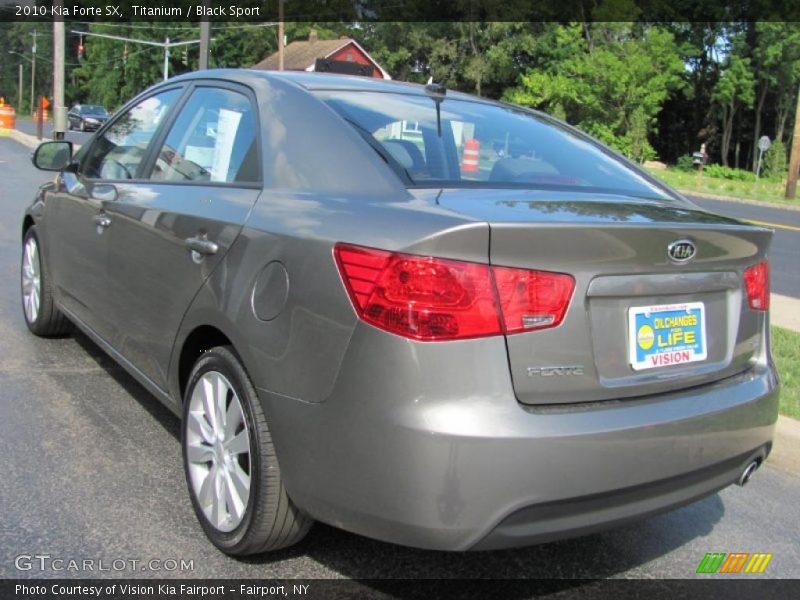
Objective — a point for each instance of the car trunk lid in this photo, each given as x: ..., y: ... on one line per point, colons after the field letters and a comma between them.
x: 616, y: 248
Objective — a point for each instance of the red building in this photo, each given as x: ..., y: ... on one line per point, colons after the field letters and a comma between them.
x: 314, y: 54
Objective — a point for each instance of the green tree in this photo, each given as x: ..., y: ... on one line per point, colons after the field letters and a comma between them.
x: 734, y: 90
x: 776, y: 61
x: 611, y: 80
x: 480, y: 58
x: 106, y: 76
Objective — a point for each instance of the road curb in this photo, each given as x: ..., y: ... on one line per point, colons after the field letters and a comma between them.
x: 31, y: 141
x: 23, y: 138
x: 750, y: 201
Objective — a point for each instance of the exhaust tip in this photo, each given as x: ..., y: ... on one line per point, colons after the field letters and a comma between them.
x: 748, y: 473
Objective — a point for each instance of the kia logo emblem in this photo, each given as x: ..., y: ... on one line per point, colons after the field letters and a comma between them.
x: 681, y: 251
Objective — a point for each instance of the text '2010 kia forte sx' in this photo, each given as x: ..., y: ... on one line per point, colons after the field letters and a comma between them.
x: 416, y: 315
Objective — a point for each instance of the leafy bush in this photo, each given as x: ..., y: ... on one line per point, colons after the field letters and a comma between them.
x: 729, y: 173
x: 775, y: 161
x: 685, y: 163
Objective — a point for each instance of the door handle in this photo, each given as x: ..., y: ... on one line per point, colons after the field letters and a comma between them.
x: 201, y: 245
x: 102, y: 220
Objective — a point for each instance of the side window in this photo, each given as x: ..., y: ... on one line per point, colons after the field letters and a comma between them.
x: 213, y: 139
x: 118, y: 153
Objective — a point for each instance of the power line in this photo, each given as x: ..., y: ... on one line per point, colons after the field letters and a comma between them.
x: 107, y: 62
x: 167, y: 44
x: 82, y: 63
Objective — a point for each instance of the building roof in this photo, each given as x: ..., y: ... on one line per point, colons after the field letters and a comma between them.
x: 300, y: 55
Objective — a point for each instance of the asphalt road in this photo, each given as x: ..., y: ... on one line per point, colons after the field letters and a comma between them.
x: 784, y: 254
x: 91, y: 469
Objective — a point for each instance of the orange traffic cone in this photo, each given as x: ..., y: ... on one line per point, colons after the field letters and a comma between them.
x: 470, y: 161
x: 8, y: 117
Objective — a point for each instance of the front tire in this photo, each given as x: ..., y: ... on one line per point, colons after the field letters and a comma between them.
x: 230, y: 464
x: 38, y: 305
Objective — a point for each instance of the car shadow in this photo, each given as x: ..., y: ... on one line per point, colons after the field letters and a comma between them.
x: 378, y: 565
x: 160, y: 413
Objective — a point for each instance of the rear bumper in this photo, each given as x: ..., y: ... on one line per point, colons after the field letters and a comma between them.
x: 561, y: 519
x: 448, y: 459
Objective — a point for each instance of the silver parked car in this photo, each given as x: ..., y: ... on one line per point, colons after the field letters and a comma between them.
x: 417, y: 315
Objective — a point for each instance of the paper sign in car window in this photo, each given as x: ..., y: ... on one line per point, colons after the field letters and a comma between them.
x: 202, y: 156
x: 227, y: 126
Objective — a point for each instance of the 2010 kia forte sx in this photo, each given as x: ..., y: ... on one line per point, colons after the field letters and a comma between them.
x: 410, y: 313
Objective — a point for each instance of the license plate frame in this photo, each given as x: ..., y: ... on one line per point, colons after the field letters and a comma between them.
x: 664, y: 335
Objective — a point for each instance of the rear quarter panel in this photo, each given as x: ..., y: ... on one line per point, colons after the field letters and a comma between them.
x: 323, y: 184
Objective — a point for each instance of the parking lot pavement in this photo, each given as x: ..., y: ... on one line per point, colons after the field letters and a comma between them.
x: 91, y: 469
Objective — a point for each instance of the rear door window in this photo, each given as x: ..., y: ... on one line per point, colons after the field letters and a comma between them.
x: 213, y: 139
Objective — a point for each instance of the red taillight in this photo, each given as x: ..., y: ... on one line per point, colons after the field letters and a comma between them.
x: 756, y: 280
x: 532, y: 299
x: 430, y: 299
x: 419, y: 297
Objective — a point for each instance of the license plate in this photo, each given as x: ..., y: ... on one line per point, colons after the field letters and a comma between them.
x: 666, y: 335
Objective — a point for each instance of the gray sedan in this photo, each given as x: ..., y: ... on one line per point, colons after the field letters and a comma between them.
x: 414, y: 314
x: 86, y: 117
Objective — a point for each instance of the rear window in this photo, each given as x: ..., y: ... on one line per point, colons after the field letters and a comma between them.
x: 482, y: 145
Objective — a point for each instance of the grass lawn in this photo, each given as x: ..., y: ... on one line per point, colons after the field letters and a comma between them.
x: 786, y: 351
x: 763, y: 189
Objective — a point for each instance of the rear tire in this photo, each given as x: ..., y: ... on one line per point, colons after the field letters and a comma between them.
x: 225, y: 437
x: 38, y: 305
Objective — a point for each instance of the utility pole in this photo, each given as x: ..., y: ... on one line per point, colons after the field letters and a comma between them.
x: 33, y: 70
x: 205, y: 34
x: 166, y: 58
x: 280, y: 35
x: 59, y: 110
x: 794, y: 157
x: 19, y: 100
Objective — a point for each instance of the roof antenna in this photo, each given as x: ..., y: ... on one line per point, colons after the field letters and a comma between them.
x: 437, y: 92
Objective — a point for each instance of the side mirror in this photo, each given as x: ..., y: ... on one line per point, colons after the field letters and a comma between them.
x: 52, y: 156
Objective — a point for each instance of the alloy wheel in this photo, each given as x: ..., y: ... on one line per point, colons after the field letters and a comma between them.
x: 218, y: 451
x: 31, y: 280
